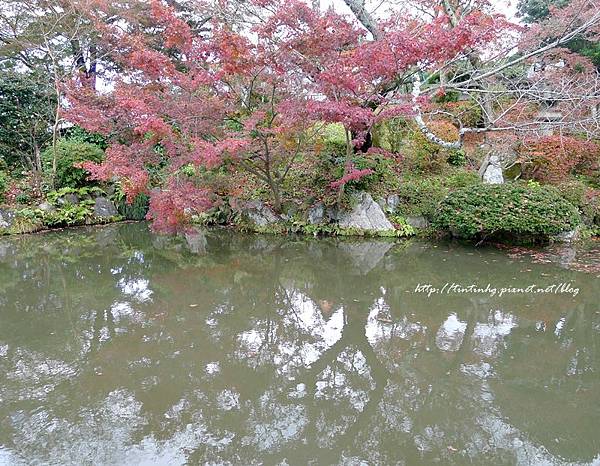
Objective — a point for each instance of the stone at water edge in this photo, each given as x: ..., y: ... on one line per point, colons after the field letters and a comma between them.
x: 7, y: 218
x: 258, y: 213
x: 367, y: 215
x: 316, y: 214
x: 104, y: 208
x: 417, y: 221
x: 568, y: 236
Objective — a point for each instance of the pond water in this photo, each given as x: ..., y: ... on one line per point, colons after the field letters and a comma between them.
x: 118, y: 347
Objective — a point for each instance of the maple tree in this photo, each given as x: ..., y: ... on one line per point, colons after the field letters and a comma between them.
x: 253, y: 93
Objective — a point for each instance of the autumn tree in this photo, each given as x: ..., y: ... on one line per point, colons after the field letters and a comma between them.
x: 251, y: 87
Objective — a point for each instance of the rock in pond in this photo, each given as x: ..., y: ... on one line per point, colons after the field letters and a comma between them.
x: 104, y: 208
x: 366, y: 215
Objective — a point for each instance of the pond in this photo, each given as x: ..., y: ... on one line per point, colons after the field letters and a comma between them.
x: 119, y: 347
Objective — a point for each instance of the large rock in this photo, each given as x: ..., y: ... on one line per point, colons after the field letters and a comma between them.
x: 316, y: 214
x: 418, y: 222
x: 493, y: 171
x: 70, y: 198
x: 46, y: 207
x: 366, y: 215
x: 568, y: 236
x: 390, y: 203
x: 7, y: 218
x: 104, y: 208
x: 258, y: 214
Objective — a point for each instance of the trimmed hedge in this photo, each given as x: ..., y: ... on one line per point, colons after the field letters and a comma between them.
x: 513, y: 209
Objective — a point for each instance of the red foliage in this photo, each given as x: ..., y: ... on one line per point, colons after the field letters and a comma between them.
x: 251, y: 97
x: 174, y: 205
x: 553, y: 158
x: 351, y: 175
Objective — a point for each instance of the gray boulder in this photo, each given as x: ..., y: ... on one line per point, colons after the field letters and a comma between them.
x: 46, y: 207
x: 7, y: 218
x: 316, y: 214
x: 390, y: 203
x: 366, y: 215
x: 417, y: 222
x: 568, y: 236
x: 104, y: 208
x: 68, y: 199
x: 258, y: 214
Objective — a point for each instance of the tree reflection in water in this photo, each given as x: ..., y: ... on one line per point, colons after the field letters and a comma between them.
x: 119, y: 347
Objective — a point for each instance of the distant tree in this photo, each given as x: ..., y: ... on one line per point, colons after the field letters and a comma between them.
x: 27, y: 107
x: 535, y: 11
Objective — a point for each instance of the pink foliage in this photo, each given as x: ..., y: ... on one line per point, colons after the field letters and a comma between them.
x: 195, y: 98
x: 172, y: 206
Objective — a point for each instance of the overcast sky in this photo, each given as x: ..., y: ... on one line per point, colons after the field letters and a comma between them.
x: 506, y: 7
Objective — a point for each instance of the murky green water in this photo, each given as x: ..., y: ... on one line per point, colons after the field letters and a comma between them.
x: 117, y: 347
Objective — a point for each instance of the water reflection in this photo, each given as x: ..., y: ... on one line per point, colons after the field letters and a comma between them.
x: 119, y: 347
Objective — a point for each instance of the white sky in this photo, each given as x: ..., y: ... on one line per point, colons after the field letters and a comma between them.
x: 506, y: 7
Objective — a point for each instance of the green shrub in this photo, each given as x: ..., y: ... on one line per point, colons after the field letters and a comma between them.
x: 69, y: 214
x: 137, y: 210
x: 461, y: 179
x: 585, y: 198
x: 457, y: 158
x: 3, y: 184
x: 83, y: 135
x: 23, y: 198
x: 333, y: 140
x: 70, y: 152
x: 385, y: 176
x: 421, y: 196
x: 517, y: 210
x: 392, y: 134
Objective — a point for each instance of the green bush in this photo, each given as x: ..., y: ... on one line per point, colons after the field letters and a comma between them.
x: 517, y: 210
x: 422, y: 196
x: 585, y: 198
x: 83, y: 135
x: 392, y: 134
x: 3, y: 184
x: 137, y: 210
x: 69, y: 152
